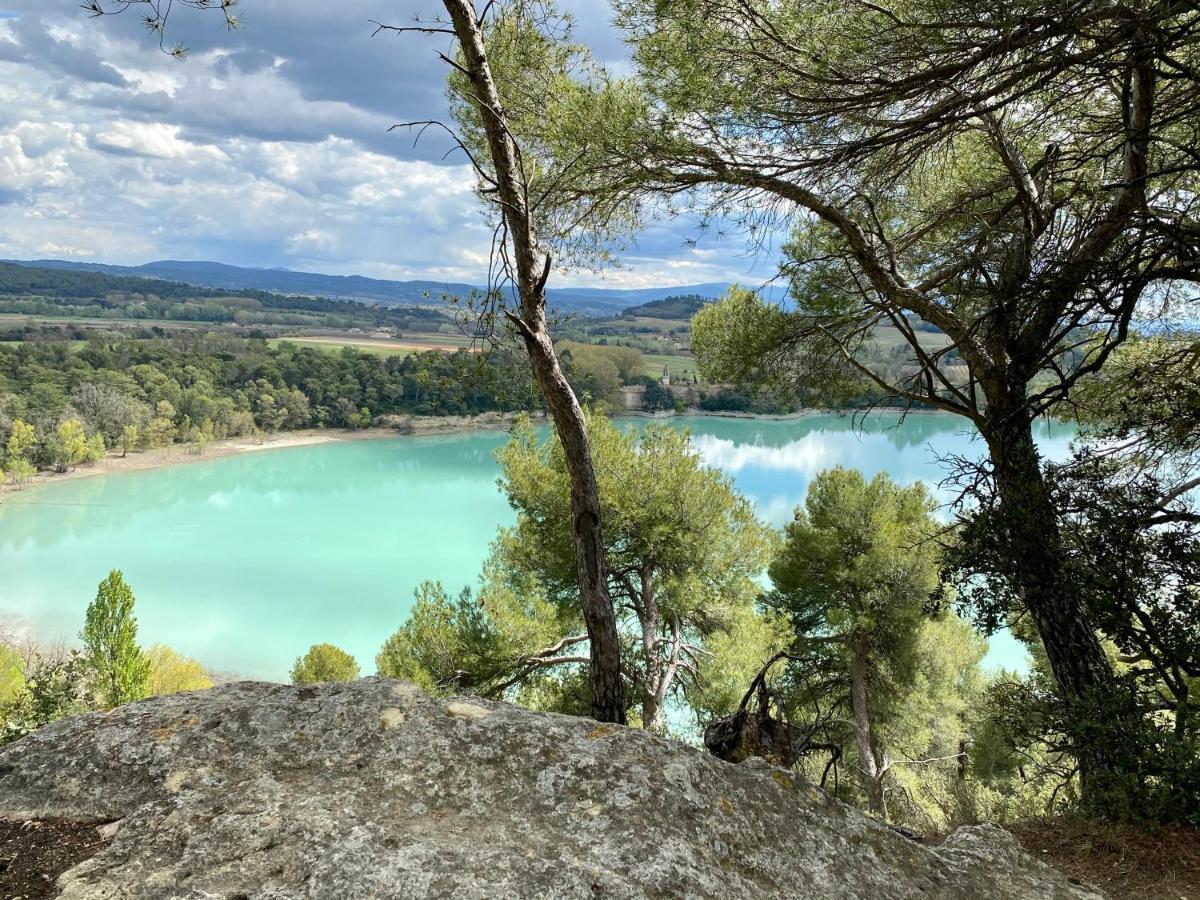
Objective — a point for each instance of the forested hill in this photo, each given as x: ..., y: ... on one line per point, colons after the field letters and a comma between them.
x: 90, y: 294
x: 596, y: 301
x: 683, y: 306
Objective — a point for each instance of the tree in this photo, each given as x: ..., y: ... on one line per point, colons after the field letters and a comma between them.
x: 482, y: 643
x: 111, y: 650
x: 856, y: 570
x: 684, y: 548
x: 94, y: 448
x: 527, y: 267
x: 1126, y: 510
x: 129, y: 439
x: 12, y: 674
x: 70, y: 446
x: 172, y: 672
x: 54, y: 688
x: 106, y: 410
x: 1019, y: 178
x: 685, y: 552
x: 21, y: 442
x: 324, y: 662
x: 20, y: 470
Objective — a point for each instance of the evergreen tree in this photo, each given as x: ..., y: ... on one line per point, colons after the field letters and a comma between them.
x: 854, y: 576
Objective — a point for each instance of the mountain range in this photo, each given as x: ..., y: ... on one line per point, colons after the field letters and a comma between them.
x: 590, y: 301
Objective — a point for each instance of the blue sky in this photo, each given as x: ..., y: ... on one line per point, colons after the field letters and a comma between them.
x: 267, y: 146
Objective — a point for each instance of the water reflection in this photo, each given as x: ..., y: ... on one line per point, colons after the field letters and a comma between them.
x: 246, y: 561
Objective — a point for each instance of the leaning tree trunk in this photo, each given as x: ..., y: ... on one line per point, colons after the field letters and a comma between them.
x: 1036, y: 556
x: 532, y: 269
x: 871, y: 773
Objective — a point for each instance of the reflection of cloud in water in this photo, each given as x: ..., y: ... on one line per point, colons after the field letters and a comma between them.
x: 221, y: 499
x: 806, y: 455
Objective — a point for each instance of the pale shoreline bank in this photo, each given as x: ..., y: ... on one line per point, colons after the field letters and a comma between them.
x: 182, y: 454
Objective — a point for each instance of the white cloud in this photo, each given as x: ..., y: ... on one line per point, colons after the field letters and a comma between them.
x: 152, y: 139
x: 267, y: 146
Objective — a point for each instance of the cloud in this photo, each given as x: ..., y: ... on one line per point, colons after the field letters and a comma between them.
x: 266, y: 146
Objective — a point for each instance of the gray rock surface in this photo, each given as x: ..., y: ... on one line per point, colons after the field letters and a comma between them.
x: 376, y: 790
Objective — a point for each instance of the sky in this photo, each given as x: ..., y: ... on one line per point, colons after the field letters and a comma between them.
x: 267, y: 146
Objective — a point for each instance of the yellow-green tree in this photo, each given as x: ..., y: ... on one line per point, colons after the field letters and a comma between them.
x: 324, y: 662
x: 70, y: 446
x: 172, y: 672
x: 129, y: 438
x: 22, y: 439
x: 12, y: 674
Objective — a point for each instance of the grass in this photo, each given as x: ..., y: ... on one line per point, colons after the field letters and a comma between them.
x: 680, y: 366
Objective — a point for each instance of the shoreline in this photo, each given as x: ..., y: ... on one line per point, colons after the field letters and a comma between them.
x: 182, y: 454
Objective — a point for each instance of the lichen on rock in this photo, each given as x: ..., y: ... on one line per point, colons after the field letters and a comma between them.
x: 375, y: 789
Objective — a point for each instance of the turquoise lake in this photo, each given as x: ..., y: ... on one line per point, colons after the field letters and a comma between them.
x: 246, y: 561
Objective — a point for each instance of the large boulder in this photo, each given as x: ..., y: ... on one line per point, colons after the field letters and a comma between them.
x: 376, y: 790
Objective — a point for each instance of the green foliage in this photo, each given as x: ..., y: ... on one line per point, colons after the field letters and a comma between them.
x: 474, y: 643
x: 870, y: 671
x: 683, y: 306
x: 738, y: 337
x: 172, y: 672
x: 152, y: 392
x: 69, y: 446
x: 130, y: 436
x: 53, y: 689
x: 683, y: 548
x: 858, y: 562
x: 324, y: 662
x: 21, y: 441
x: 12, y: 674
x: 734, y: 656
x: 109, y: 636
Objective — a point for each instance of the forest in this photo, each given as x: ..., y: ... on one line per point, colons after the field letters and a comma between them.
x: 31, y: 291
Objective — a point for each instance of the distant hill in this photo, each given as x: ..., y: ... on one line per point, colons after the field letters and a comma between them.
x: 593, y: 301
x: 76, y: 292
x: 682, y: 306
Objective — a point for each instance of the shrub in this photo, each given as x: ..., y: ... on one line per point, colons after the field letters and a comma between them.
x: 324, y: 662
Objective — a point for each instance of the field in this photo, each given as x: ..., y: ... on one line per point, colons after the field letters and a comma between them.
x: 680, y: 366
x: 384, y: 346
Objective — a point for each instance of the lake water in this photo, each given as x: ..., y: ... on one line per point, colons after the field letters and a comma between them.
x: 244, y: 562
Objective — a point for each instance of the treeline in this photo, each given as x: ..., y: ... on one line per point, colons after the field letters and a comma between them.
x: 58, y: 292
x: 683, y: 306
x: 136, y: 394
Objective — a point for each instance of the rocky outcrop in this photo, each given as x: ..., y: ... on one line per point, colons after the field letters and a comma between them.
x: 376, y: 790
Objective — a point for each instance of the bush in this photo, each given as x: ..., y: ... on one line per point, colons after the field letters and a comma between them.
x: 53, y: 690
x: 172, y: 672
x: 324, y: 662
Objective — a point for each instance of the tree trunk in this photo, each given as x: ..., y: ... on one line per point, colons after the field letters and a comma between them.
x: 871, y: 772
x: 654, y: 690
x: 1036, y: 557
x: 531, y: 271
